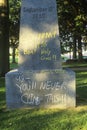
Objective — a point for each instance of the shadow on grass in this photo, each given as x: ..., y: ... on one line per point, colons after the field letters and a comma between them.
x: 37, y: 119
x: 81, y: 88
x: 81, y: 98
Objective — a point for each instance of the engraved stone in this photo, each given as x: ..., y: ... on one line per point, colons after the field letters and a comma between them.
x: 39, y: 46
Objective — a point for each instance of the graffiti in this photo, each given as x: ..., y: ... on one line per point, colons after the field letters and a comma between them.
x: 29, y: 94
x: 55, y: 98
x: 30, y: 99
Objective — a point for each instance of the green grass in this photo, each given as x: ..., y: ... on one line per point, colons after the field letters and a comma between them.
x: 47, y: 119
x: 75, y: 64
x: 13, y: 65
x: 81, y: 84
x: 44, y: 119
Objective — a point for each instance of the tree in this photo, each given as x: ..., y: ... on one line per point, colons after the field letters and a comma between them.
x: 4, y: 37
x: 73, y: 20
x: 14, y: 44
x: 14, y: 15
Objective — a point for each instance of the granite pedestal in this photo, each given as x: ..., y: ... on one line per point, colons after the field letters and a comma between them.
x: 44, y: 89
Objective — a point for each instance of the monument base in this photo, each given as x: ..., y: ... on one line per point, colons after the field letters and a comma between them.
x: 43, y: 89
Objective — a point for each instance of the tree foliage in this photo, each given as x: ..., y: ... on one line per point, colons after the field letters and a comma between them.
x: 72, y: 17
x: 73, y: 21
x: 14, y: 16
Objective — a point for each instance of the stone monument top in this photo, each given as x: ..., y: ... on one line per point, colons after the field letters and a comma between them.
x: 39, y: 46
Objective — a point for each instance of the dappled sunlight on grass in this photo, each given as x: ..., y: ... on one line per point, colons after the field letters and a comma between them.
x: 43, y: 119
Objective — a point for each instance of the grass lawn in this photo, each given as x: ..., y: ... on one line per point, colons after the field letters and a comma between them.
x: 47, y: 119
x: 75, y: 64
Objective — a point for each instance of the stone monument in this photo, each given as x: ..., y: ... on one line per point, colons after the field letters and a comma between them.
x: 40, y: 80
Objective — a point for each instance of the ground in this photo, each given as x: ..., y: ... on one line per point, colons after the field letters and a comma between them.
x: 48, y: 119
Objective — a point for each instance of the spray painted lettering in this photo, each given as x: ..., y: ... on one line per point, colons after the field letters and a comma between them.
x: 28, y: 88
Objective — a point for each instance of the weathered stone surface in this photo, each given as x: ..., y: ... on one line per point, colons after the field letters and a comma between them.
x: 40, y: 80
x: 39, y: 46
x: 47, y: 89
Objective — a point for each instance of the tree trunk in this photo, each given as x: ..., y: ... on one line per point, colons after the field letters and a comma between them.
x: 80, y: 57
x: 74, y: 48
x: 13, y: 55
x: 4, y: 38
